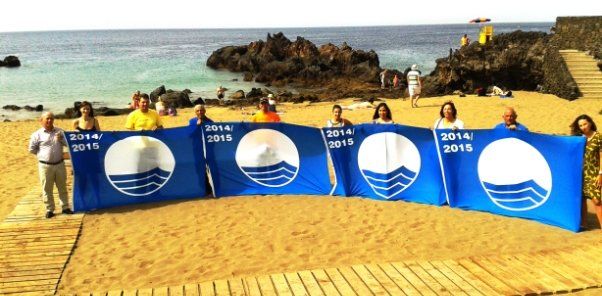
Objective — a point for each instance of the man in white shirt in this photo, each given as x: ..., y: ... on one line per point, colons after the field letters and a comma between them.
x: 47, y: 144
x: 414, y: 85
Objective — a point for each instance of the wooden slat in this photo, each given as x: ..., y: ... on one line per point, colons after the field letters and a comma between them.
x: 251, y: 286
x: 399, y: 280
x: 130, y: 293
x: 176, y: 291
x: 413, y: 278
x: 36, y: 277
x: 441, y: 278
x: 454, y: 278
x: 580, y: 280
x: 221, y: 288
x: 578, y: 263
x: 191, y: 290
x: 115, y: 293
x: 310, y: 283
x: 478, y: 284
x: 145, y: 292
x: 354, y: 281
x: 45, y: 288
x: 369, y: 280
x: 207, y: 288
x: 325, y: 283
x: 4, y: 275
x: 163, y: 291
x: 339, y: 281
x: 427, y: 279
x: 265, y: 285
x: 236, y: 287
x: 501, y: 274
x: 384, y: 280
x: 280, y: 284
x: 296, y: 284
x: 528, y: 277
x: 546, y: 277
x: 493, y: 278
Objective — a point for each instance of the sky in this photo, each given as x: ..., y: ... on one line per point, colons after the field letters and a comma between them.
x: 49, y: 15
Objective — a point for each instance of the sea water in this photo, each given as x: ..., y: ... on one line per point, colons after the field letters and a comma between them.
x: 106, y: 67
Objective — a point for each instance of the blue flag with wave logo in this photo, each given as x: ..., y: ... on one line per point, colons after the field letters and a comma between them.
x: 266, y: 158
x: 121, y: 168
x: 386, y: 162
x: 514, y: 173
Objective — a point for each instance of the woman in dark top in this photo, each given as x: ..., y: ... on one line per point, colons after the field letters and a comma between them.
x: 86, y: 121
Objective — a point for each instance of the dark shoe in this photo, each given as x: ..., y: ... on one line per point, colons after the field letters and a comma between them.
x: 67, y: 211
x: 49, y: 215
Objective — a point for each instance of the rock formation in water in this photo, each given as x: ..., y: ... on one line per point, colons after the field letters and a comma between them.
x: 10, y: 62
x: 279, y: 61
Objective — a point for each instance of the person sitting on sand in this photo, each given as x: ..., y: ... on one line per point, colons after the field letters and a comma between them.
x: 337, y: 119
x: 200, y: 117
x: 585, y: 126
x: 221, y: 92
x: 160, y: 107
x: 264, y: 114
x: 382, y: 115
x: 448, y: 117
x: 86, y: 121
x: 135, y: 104
x: 362, y: 105
x: 47, y: 144
x: 510, y: 122
x: 144, y: 118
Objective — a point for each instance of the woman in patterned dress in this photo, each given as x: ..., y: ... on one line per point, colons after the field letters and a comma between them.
x: 592, y: 169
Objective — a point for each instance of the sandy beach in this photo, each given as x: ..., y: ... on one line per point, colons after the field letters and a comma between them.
x: 173, y: 243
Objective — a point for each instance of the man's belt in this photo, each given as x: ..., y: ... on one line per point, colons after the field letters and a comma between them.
x: 50, y: 163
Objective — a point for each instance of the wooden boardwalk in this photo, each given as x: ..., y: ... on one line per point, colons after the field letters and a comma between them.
x: 35, y: 250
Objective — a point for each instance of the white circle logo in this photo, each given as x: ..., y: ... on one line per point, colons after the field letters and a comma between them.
x: 139, y: 165
x: 514, y: 175
x: 268, y: 157
x: 389, y: 162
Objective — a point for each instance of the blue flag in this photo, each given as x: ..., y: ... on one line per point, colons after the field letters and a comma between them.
x: 386, y: 162
x: 120, y: 168
x: 514, y: 173
x: 266, y: 158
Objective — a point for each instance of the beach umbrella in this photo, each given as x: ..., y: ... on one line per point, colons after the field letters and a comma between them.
x: 479, y: 20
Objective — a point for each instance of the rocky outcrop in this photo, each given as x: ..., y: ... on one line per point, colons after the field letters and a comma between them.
x: 513, y: 60
x: 279, y: 61
x: 10, y: 62
x: 102, y: 111
x: 37, y: 108
x: 178, y: 99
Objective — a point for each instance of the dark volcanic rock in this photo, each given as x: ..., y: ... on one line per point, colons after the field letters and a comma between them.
x: 237, y: 95
x: 279, y: 61
x: 513, y: 60
x: 37, y: 108
x: 178, y: 99
x: 102, y: 111
x: 155, y: 94
x: 11, y: 107
x: 10, y: 62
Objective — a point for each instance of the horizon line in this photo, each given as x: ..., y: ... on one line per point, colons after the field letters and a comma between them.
x: 265, y: 28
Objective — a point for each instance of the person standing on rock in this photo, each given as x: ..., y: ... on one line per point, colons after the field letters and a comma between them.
x: 221, y: 92
x: 47, y: 144
x: 383, y: 79
x: 414, y: 85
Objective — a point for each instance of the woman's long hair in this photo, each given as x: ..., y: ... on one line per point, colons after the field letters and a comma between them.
x: 576, y: 131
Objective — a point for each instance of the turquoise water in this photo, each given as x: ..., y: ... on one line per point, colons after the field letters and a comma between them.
x: 106, y: 67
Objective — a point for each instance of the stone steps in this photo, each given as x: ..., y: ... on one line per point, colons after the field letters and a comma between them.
x: 585, y: 72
